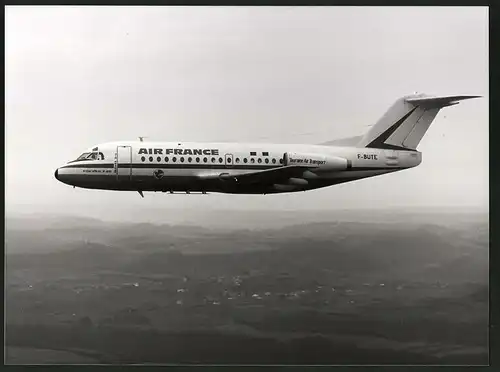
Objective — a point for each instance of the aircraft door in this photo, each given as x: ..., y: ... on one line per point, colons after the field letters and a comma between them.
x: 123, y: 163
x: 229, y: 160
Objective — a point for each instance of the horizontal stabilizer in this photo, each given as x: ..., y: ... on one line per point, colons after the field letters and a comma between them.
x: 435, y: 102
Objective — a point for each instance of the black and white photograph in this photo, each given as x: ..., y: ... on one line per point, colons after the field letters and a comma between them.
x: 246, y: 185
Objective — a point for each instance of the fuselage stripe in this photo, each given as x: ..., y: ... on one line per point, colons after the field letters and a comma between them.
x: 203, y: 166
x: 172, y: 166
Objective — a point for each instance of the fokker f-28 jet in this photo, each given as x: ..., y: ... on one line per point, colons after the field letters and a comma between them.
x: 242, y: 168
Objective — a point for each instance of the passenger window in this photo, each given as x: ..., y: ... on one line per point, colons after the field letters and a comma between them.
x: 281, y: 161
x: 220, y: 160
x: 267, y: 161
x: 252, y: 160
x: 150, y: 158
x: 205, y: 160
x: 274, y: 161
x: 237, y: 160
x: 143, y: 158
x: 197, y: 160
x: 213, y: 160
x: 190, y: 159
x: 182, y: 159
x: 174, y: 159
x: 158, y: 158
x: 166, y: 159
x: 245, y: 160
x: 259, y: 160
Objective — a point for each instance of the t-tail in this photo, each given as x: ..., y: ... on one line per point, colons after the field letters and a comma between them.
x: 404, y: 125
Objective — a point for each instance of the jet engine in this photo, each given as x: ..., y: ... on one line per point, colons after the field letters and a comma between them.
x: 318, y: 162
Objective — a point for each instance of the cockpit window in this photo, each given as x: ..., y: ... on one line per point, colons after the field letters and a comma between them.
x: 83, y: 156
x: 90, y: 156
x: 96, y: 156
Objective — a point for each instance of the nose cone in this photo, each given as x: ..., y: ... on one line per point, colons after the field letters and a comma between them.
x: 62, y: 175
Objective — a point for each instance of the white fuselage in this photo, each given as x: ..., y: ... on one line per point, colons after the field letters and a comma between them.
x: 216, y: 167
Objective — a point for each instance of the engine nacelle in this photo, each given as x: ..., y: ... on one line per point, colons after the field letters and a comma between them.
x: 317, y: 162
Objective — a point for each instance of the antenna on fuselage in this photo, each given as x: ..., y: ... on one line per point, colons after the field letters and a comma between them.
x: 142, y: 138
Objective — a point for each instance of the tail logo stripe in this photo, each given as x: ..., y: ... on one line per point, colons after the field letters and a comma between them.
x: 379, y: 141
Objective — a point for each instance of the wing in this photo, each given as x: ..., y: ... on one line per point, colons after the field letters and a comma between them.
x: 274, y: 175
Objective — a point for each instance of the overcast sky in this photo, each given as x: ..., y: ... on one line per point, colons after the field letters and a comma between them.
x: 78, y: 76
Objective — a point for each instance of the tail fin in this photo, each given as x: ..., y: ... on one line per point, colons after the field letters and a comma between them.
x: 403, y: 126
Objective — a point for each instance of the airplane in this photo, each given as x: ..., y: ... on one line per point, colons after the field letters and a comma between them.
x: 244, y: 168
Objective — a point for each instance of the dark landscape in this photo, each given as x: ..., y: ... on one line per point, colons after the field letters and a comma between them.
x: 358, y: 288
